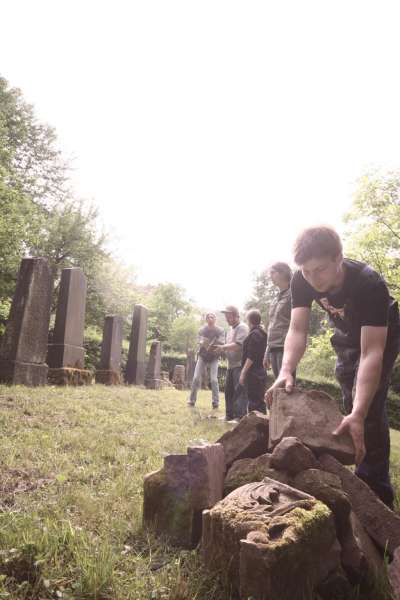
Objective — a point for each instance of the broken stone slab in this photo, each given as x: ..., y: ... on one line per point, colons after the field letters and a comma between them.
x: 250, y: 470
x: 327, y: 487
x: 270, y: 540
x: 248, y: 439
x: 311, y: 416
x: 360, y: 557
x: 394, y: 574
x: 175, y: 496
x: 381, y: 523
x: 166, y: 501
x: 293, y: 456
x: 206, y: 465
x: 336, y: 587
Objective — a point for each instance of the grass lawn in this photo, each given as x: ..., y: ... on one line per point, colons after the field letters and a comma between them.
x: 72, y: 466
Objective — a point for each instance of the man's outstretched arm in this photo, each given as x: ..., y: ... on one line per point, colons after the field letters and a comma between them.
x: 373, y: 341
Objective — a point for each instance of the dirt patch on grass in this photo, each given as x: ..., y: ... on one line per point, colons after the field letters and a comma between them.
x: 18, y: 481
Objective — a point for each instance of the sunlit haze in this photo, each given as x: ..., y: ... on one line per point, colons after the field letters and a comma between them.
x: 209, y: 133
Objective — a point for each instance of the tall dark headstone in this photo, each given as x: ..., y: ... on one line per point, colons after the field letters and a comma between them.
x: 23, y: 350
x: 153, y: 371
x: 66, y: 355
x: 136, y: 366
x: 109, y: 371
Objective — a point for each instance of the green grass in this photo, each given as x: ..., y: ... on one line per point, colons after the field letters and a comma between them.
x: 72, y: 467
x: 71, y: 474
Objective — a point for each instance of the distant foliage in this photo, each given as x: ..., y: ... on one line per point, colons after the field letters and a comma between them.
x: 319, y: 358
x: 373, y: 225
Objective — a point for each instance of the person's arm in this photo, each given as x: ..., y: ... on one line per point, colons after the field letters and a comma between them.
x: 373, y: 341
x: 245, y: 368
x: 267, y: 359
x: 295, y: 345
x: 229, y: 347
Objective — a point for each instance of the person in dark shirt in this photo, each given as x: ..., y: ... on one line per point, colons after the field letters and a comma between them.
x: 253, y: 374
x: 366, y: 340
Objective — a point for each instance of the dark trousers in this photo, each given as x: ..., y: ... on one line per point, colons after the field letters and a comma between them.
x: 374, y: 469
x: 275, y: 357
x: 235, y: 395
x: 256, y: 383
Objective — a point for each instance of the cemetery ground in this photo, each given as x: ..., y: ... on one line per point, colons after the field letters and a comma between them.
x: 71, y: 481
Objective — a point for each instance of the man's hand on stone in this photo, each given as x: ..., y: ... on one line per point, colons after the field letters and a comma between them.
x: 354, y: 424
x: 284, y: 380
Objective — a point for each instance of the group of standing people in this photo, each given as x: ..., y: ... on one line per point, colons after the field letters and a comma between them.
x: 248, y: 348
x: 366, y: 340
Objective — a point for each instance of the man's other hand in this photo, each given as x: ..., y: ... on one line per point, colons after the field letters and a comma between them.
x: 285, y: 381
x: 354, y: 424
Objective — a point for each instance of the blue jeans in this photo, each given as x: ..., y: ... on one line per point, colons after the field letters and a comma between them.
x: 235, y: 395
x: 200, y: 368
x: 374, y: 469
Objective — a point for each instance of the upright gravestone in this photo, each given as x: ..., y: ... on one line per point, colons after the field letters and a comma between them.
x: 109, y: 371
x: 66, y: 355
x: 153, y: 371
x: 23, y: 350
x: 136, y: 366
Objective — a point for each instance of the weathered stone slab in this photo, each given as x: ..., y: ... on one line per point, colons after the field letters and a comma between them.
x: 178, y: 377
x: 153, y: 371
x: 292, y: 456
x: 175, y: 496
x: 24, y: 346
x: 360, y: 557
x: 19, y: 373
x: 327, y: 487
x: 66, y: 348
x: 311, y: 416
x: 136, y: 364
x: 270, y: 540
x: 68, y: 376
x: 109, y: 371
x: 250, y: 470
x: 394, y: 574
x: 381, y: 523
x: 166, y: 501
x: 206, y: 466
x: 108, y: 377
x: 248, y: 439
x: 336, y: 587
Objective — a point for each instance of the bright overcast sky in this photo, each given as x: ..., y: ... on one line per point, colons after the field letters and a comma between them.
x: 210, y: 132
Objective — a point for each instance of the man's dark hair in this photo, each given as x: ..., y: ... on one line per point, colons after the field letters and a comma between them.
x: 283, y: 269
x: 316, y: 242
x: 254, y: 316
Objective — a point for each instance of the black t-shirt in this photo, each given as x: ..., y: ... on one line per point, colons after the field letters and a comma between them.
x: 363, y: 300
x: 254, y: 347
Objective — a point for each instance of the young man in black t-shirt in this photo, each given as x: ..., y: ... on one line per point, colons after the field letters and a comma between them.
x: 366, y: 341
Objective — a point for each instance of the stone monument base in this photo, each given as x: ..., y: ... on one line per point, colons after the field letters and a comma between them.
x: 154, y: 384
x: 108, y: 377
x: 69, y: 376
x: 21, y: 373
